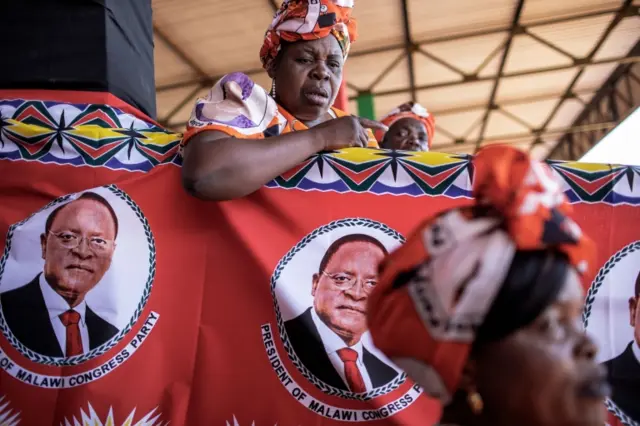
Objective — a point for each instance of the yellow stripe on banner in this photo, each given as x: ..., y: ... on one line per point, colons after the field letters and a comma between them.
x: 589, y: 167
x: 28, y: 130
x: 161, y: 139
x: 91, y: 131
x: 433, y: 158
x: 94, y: 132
x: 359, y: 155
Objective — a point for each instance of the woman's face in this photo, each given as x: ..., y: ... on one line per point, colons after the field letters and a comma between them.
x: 308, y: 76
x: 544, y: 374
x: 407, y: 134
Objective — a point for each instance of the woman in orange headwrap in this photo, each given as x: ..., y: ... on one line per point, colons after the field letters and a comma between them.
x: 239, y: 136
x: 411, y: 128
x: 482, y: 305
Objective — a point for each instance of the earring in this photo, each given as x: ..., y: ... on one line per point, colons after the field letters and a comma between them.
x: 475, y: 402
x: 273, y: 88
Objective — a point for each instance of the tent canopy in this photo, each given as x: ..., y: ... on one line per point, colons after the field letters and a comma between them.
x: 504, y: 70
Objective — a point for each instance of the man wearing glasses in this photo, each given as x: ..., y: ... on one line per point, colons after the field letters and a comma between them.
x: 50, y: 315
x: 327, y: 336
x: 624, y: 370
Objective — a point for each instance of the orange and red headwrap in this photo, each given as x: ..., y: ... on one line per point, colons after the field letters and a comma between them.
x: 409, y: 110
x: 309, y: 20
x: 447, y: 286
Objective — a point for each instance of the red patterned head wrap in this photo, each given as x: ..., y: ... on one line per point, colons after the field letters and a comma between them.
x: 450, y: 283
x: 409, y: 110
x: 309, y: 20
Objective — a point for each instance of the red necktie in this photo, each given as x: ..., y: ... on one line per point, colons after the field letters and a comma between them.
x: 70, y: 319
x: 351, y: 372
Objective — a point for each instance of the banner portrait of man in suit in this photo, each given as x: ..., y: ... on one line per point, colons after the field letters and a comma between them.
x: 50, y: 314
x: 624, y: 369
x: 327, y: 336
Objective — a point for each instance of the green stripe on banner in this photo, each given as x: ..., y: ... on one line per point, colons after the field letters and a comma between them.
x: 365, y: 105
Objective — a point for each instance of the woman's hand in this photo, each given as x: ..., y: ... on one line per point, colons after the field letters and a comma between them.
x: 345, y: 132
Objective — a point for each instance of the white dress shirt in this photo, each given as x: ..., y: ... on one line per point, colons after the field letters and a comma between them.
x: 56, y: 306
x: 636, y: 350
x: 333, y: 343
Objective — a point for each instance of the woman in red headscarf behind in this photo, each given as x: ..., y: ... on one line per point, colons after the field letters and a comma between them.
x: 482, y: 305
x: 411, y: 128
x: 240, y: 136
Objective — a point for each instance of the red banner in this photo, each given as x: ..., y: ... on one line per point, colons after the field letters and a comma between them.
x: 123, y: 299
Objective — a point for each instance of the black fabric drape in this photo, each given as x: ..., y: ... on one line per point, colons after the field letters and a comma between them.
x: 89, y: 45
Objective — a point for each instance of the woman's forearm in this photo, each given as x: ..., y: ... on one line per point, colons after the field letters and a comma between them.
x: 217, y: 167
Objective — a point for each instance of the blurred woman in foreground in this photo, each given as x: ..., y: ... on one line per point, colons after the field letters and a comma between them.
x: 482, y: 305
x: 411, y: 128
x: 240, y: 136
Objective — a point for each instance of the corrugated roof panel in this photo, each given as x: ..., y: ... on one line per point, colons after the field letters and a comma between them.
x: 535, y: 10
x: 500, y: 125
x: 384, y: 104
x: 222, y: 36
x: 439, y: 18
x: 428, y: 71
x: 586, y: 97
x: 474, y: 132
x: 593, y: 76
x: 534, y: 85
x: 183, y: 114
x: 167, y: 100
x: 263, y: 80
x: 456, y: 96
x: 168, y: 67
x: 398, y: 78
x: 379, y: 24
x: 351, y: 92
x: 467, y: 54
x: 362, y: 71
x: 528, y: 54
x: 576, y: 37
x: 621, y: 40
x: 534, y: 113
x: 540, y: 151
x: 492, y: 67
x: 440, y: 138
x: 566, y: 114
x: 459, y: 124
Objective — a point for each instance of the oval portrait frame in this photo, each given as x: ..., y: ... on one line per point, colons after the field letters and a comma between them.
x: 105, y: 347
x: 325, y: 388
x: 586, y: 313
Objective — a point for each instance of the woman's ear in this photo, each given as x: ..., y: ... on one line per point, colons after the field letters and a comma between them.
x: 271, y: 72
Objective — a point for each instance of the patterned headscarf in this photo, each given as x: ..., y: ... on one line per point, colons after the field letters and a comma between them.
x: 309, y: 20
x: 410, y: 110
x: 459, y: 278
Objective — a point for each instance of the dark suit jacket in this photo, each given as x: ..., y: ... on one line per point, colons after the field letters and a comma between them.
x: 27, y: 317
x: 306, y: 342
x: 624, y: 377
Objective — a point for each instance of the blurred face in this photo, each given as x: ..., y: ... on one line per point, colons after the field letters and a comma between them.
x: 78, y: 249
x: 407, y: 134
x: 544, y: 374
x: 308, y: 76
x: 340, y: 292
x: 634, y: 317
